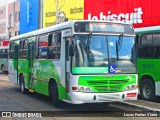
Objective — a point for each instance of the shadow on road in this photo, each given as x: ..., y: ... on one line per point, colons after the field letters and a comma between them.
x: 156, y: 100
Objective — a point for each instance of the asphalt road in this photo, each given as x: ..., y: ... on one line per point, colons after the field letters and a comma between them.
x: 12, y: 100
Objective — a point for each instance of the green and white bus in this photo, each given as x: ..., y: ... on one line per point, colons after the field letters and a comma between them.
x: 76, y: 62
x: 148, y: 62
x: 4, y: 59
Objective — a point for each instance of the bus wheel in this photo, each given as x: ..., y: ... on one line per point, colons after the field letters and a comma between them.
x: 54, y: 94
x: 22, y: 85
x: 3, y: 69
x: 147, y: 89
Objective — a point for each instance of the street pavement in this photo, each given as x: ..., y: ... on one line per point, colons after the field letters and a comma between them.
x: 12, y: 100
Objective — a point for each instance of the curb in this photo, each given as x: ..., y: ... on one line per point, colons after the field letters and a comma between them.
x: 140, y: 107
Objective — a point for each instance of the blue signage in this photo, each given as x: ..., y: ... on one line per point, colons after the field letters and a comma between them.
x: 29, y: 15
x: 112, y: 68
x: 28, y: 10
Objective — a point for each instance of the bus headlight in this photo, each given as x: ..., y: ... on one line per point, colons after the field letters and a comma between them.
x: 130, y: 87
x: 81, y: 89
x: 85, y: 89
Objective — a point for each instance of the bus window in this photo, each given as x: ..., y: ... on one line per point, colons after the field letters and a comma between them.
x: 23, y: 49
x: 54, y: 47
x: 42, y: 47
x: 4, y: 53
x: 156, y: 40
x: 146, y: 48
x: 146, y: 52
x: 11, y: 50
x: 146, y: 40
x: 156, y: 45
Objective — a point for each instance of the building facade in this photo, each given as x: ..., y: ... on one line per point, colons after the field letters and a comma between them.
x: 3, y: 21
x: 13, y: 18
x: 9, y: 20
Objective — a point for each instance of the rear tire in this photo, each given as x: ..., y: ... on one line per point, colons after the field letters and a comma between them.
x: 54, y: 94
x: 147, y: 89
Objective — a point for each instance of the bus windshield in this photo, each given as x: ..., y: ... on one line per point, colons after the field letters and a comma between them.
x: 95, y: 53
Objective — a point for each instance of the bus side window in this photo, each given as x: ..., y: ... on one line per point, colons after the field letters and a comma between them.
x: 156, y: 52
x: 42, y: 46
x: 33, y: 39
x: 20, y: 49
x: 156, y: 44
x: 23, y: 49
x: 11, y: 50
x: 148, y: 52
x: 146, y: 48
x: 4, y: 53
x: 54, y: 47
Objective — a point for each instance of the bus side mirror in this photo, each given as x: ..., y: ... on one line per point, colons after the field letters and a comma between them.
x: 71, y: 50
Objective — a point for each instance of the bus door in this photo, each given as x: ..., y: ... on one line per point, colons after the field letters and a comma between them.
x: 31, y: 58
x: 67, y: 65
x: 66, y: 35
x: 15, y: 63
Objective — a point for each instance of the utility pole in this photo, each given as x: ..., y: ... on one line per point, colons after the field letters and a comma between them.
x: 57, y: 11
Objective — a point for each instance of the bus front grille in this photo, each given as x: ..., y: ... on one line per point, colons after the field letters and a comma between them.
x: 108, y: 86
x: 98, y: 82
x: 108, y: 89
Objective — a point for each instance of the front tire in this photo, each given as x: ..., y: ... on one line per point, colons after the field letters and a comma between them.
x: 147, y: 89
x: 54, y: 94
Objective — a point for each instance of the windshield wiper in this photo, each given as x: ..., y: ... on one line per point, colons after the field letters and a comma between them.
x: 89, y: 41
x: 119, y: 44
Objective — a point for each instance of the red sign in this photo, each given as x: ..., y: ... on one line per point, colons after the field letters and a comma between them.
x: 140, y: 13
x: 5, y: 43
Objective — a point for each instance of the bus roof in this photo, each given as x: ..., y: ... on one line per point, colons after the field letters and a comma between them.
x: 68, y: 24
x: 148, y: 30
x: 4, y: 47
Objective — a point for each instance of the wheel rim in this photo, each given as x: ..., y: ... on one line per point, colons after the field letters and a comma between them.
x: 147, y: 91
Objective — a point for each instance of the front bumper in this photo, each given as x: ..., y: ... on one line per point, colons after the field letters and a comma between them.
x: 80, y: 97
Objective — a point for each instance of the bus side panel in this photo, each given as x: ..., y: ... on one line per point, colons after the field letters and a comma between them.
x: 11, y: 71
x: 43, y: 71
x: 23, y: 68
x: 149, y: 67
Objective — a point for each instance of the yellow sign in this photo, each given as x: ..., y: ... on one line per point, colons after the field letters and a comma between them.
x: 69, y: 9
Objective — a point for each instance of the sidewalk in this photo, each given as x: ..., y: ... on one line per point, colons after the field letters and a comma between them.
x: 155, y: 105
x: 4, y: 77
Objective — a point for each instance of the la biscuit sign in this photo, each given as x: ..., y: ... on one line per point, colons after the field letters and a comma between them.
x: 140, y: 13
x: 136, y: 12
